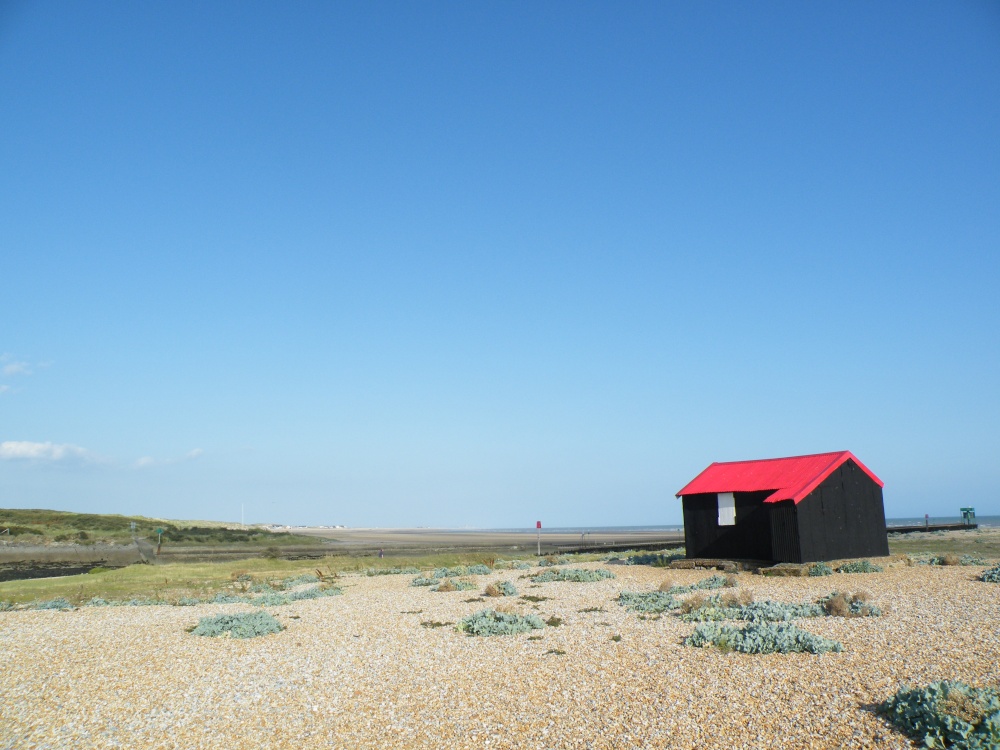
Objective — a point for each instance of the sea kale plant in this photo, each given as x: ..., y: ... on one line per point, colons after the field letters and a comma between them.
x: 459, y: 570
x: 655, y: 559
x: 947, y: 715
x: 648, y: 602
x: 820, y: 569
x: 577, y: 575
x: 489, y: 622
x: 242, y: 625
x: 730, y: 607
x: 449, y: 584
x: 500, y: 588
x: 859, y: 566
x: 760, y: 638
x: 992, y: 575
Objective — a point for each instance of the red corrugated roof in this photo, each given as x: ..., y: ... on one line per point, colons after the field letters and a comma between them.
x: 791, y: 478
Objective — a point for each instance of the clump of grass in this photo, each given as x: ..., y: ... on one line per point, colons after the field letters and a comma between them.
x: 593, y: 609
x: 449, y: 584
x: 840, y: 604
x: 760, y: 638
x: 576, y: 575
x: 701, y: 603
x: 556, y: 652
x: 489, y: 622
x: 820, y: 569
x: 500, y: 588
x: 534, y: 598
x: 616, y: 638
x: 434, y: 624
x: 554, y: 622
x: 242, y: 625
x: 947, y: 714
x: 859, y: 566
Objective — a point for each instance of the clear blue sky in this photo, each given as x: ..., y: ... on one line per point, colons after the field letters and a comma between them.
x: 481, y: 264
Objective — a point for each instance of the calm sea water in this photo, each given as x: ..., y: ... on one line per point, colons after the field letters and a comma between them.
x: 983, y: 521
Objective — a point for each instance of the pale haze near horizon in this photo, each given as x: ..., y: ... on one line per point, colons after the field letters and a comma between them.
x: 479, y: 265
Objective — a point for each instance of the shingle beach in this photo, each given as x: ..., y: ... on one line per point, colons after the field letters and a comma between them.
x: 359, y: 670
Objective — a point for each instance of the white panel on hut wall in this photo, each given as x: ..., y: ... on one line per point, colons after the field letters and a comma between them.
x: 727, y: 509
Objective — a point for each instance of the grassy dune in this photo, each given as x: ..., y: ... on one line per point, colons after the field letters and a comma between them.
x: 44, y: 526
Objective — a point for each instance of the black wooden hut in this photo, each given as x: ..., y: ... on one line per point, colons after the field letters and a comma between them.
x: 826, y: 506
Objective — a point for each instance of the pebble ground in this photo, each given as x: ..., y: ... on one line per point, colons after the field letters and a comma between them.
x: 360, y: 671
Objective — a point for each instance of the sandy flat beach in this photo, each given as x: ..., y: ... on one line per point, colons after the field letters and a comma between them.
x: 526, y: 539
x: 359, y: 670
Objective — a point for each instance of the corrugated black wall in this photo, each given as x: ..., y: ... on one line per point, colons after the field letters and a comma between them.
x: 843, y: 517
x: 749, y: 538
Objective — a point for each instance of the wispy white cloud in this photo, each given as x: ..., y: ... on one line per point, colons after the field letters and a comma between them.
x: 147, y: 462
x: 17, y: 368
x: 11, y: 365
x: 25, y: 450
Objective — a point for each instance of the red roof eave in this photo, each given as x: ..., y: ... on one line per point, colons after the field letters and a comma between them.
x: 791, y: 478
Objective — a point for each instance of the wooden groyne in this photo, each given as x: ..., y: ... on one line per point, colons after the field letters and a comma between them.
x: 932, y: 527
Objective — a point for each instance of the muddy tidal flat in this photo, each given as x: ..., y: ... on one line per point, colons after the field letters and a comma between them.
x: 361, y: 670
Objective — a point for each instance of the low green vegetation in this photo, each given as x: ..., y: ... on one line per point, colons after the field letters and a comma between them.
x: 735, y: 607
x: 576, y: 575
x: 992, y: 575
x: 44, y: 526
x: 654, y: 559
x: 489, y: 622
x: 982, y: 543
x: 760, y: 638
x: 820, y: 569
x: 179, y: 584
x: 408, y: 570
x: 242, y: 625
x: 947, y: 715
x: 450, y: 584
x: 859, y: 566
x: 648, y: 602
x: 500, y: 588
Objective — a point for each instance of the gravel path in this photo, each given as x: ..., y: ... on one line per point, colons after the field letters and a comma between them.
x: 359, y: 671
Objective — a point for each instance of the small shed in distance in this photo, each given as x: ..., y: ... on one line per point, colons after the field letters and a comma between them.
x: 825, y: 506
